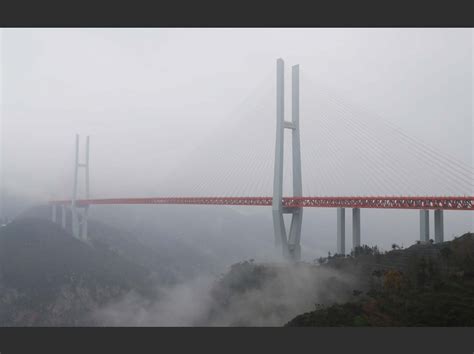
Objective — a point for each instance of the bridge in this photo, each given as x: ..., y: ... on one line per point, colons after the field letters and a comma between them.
x: 288, y: 243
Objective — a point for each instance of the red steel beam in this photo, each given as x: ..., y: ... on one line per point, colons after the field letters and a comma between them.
x: 378, y: 202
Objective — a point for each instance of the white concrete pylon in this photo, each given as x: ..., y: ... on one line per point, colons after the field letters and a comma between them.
x: 277, y: 207
x: 80, y: 224
x: 290, y: 246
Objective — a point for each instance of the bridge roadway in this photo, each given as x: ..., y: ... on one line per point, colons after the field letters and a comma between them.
x: 375, y: 202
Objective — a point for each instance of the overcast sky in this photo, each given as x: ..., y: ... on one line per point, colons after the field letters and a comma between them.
x: 152, y: 100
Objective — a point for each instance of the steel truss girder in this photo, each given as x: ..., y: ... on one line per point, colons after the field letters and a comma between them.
x: 376, y: 202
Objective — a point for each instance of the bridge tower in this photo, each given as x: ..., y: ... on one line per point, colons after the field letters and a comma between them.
x: 79, y: 215
x: 290, y: 245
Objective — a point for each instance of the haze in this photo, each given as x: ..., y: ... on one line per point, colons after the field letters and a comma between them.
x: 177, y: 112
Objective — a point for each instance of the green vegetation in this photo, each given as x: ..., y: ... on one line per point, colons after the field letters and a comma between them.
x: 424, y: 285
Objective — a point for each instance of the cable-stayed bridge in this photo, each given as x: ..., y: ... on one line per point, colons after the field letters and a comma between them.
x: 425, y: 178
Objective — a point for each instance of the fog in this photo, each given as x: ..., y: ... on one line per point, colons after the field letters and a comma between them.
x: 291, y: 291
x: 191, y: 112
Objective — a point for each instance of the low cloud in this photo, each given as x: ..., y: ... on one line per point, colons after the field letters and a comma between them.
x: 255, y: 296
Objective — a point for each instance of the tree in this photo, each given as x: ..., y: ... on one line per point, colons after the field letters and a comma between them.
x: 392, y: 280
x: 446, y: 252
x: 421, y: 274
x: 320, y: 260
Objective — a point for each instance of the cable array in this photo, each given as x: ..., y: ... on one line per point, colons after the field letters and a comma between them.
x: 346, y: 151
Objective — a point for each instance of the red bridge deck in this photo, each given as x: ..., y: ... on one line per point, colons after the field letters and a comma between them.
x: 446, y: 203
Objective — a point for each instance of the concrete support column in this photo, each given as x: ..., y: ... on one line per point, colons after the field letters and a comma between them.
x: 54, y: 215
x: 355, y: 228
x: 63, y: 217
x: 439, y: 226
x: 84, y: 224
x: 424, y: 225
x: 341, y: 231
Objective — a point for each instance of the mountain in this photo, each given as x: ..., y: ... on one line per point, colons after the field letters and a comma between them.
x: 49, y: 278
x: 144, y: 239
x: 150, y: 261
x: 270, y: 294
x: 423, y: 285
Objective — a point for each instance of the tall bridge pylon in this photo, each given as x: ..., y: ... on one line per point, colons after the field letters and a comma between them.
x: 79, y: 216
x: 79, y: 212
x: 290, y: 245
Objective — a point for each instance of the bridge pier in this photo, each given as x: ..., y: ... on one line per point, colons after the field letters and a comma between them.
x: 424, y: 225
x: 84, y: 224
x: 341, y: 231
x: 54, y: 214
x: 355, y: 228
x: 74, y: 223
x: 63, y: 216
x: 439, y: 226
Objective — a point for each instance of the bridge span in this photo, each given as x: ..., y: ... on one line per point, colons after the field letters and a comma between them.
x: 378, y: 202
